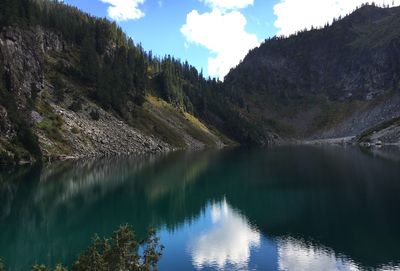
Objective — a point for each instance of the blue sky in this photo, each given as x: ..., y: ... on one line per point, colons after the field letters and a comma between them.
x: 214, y: 35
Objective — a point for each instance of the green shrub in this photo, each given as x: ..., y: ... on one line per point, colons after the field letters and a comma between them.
x: 5, y: 159
x: 74, y: 130
x: 120, y: 252
x: 52, y: 128
x: 139, y: 99
x: 76, y: 105
x: 59, y: 88
x: 29, y: 141
x: 94, y: 114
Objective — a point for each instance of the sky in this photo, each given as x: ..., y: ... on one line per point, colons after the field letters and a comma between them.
x: 215, y: 35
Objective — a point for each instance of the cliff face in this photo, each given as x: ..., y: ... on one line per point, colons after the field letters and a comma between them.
x: 92, y: 92
x: 63, y: 121
x: 357, y: 57
x: 21, y: 71
x: 331, y: 82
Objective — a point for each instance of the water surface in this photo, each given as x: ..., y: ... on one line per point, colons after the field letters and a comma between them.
x: 287, y: 208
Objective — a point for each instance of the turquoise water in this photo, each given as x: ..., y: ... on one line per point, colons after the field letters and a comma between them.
x: 287, y: 208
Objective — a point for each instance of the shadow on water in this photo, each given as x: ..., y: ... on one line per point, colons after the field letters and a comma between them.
x: 304, y: 201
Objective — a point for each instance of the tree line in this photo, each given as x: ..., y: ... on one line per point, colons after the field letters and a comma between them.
x: 120, y: 71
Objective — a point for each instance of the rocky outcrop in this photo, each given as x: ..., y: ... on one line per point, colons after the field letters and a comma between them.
x: 364, y: 118
x: 106, y: 136
x: 22, y: 56
x: 23, y: 53
x: 344, y: 61
x: 333, y: 82
x: 28, y: 58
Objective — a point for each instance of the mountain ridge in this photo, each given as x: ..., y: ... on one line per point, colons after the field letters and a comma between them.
x: 324, y: 77
x: 73, y: 85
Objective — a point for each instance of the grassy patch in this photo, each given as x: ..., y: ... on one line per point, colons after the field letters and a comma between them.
x: 146, y: 122
x: 205, y: 136
x: 189, y: 123
x: 52, y: 126
x: 195, y: 122
x: 196, y: 129
x: 334, y: 113
x: 52, y: 123
x: 278, y: 127
x: 159, y: 118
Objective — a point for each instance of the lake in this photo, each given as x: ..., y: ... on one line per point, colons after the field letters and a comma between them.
x: 283, y: 208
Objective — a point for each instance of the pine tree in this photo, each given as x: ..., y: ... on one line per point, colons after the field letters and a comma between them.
x: 104, y: 87
x: 89, y: 59
x: 9, y: 11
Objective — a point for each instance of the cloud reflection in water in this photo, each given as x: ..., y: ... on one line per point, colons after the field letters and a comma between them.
x: 227, y: 242
x: 295, y: 255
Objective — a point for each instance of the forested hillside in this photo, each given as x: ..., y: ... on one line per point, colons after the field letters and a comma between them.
x: 337, y: 81
x: 73, y: 85
x: 76, y: 62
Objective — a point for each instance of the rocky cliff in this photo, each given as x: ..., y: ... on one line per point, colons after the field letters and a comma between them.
x: 52, y: 118
x: 333, y: 82
x: 73, y: 85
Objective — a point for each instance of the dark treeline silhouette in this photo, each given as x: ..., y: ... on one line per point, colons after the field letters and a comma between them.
x: 327, y: 24
x: 119, y: 72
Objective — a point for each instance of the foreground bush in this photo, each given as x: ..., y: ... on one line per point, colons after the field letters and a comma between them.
x: 120, y: 252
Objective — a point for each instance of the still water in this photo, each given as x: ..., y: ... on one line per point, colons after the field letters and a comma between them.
x: 287, y: 208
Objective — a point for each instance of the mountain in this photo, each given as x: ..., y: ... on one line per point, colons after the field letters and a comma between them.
x: 73, y: 85
x: 338, y: 81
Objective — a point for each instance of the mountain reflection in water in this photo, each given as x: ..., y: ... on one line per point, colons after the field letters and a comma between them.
x: 286, y: 208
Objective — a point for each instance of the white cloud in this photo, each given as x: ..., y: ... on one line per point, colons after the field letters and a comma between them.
x: 122, y: 10
x: 224, y: 34
x: 295, y: 15
x: 227, y: 242
x: 228, y: 4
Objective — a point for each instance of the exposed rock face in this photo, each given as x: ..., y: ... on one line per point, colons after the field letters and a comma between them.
x: 390, y: 135
x: 346, y: 60
x: 29, y: 58
x: 363, y: 119
x: 22, y: 60
x: 106, y: 136
x: 25, y: 57
x: 22, y: 53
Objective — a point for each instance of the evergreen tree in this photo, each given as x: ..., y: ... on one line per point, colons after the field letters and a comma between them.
x: 112, y: 67
x: 88, y: 58
x: 105, y: 88
x: 121, y: 253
